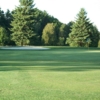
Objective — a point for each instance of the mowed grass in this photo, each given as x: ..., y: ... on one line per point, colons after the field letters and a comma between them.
x: 56, y: 74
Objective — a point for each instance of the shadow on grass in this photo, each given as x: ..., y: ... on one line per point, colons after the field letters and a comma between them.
x: 64, y: 69
x: 49, y: 66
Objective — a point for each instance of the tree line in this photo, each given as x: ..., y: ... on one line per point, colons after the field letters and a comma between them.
x: 27, y: 25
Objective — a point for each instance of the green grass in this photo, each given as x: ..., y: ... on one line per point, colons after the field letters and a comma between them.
x: 59, y: 73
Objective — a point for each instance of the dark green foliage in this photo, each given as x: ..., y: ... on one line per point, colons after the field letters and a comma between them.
x: 2, y: 18
x: 8, y: 19
x: 79, y: 36
x: 25, y: 26
x: 62, y: 34
x: 22, y: 24
x: 42, y: 18
x: 94, y: 35
x: 5, y: 20
x: 69, y: 25
x: 39, y: 25
x: 3, y: 36
x: 64, y: 30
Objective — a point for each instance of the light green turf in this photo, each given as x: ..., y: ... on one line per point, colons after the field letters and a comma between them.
x: 56, y: 74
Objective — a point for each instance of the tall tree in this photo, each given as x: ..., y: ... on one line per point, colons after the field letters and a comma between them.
x: 2, y: 18
x: 64, y: 31
x: 8, y: 19
x: 41, y: 19
x: 79, y: 36
x: 5, y: 19
x: 94, y: 35
x: 22, y: 24
x: 49, y: 36
x: 7, y: 22
x: 62, y: 34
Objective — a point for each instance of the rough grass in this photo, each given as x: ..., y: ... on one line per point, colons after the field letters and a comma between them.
x: 59, y: 73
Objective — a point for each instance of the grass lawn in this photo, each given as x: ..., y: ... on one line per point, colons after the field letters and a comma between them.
x: 56, y: 74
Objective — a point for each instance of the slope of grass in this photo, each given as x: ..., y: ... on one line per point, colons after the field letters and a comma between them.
x: 57, y: 74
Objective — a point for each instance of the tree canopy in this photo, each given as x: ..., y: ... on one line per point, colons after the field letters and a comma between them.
x: 27, y: 25
x: 22, y: 24
x: 49, y: 36
x: 79, y: 36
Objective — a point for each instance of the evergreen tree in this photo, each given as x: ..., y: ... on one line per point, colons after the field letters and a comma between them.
x: 2, y: 18
x: 8, y: 19
x: 23, y: 21
x: 79, y: 36
x: 7, y: 22
x: 94, y: 35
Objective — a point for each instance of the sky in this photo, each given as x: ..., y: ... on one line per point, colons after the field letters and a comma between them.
x: 64, y: 10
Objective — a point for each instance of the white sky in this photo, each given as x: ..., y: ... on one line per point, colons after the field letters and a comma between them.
x: 64, y: 10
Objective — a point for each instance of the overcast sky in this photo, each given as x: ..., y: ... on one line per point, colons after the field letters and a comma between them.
x: 64, y: 10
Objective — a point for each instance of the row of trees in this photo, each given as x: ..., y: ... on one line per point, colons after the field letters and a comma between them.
x: 27, y: 25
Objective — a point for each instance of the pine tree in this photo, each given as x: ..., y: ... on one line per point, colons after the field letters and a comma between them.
x: 22, y: 24
x: 79, y: 36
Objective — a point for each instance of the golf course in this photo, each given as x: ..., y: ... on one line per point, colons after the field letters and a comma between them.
x: 55, y: 73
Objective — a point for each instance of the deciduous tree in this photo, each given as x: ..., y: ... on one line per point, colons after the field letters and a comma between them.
x: 3, y: 36
x: 49, y: 36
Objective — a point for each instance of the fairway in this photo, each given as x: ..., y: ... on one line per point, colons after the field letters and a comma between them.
x: 58, y: 73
